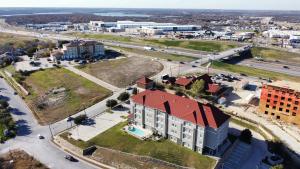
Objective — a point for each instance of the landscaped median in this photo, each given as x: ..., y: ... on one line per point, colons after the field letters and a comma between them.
x: 159, y: 55
x: 198, y: 45
x: 118, y: 140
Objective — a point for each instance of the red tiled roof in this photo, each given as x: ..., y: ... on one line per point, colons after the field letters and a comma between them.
x: 144, y: 80
x: 213, y: 88
x: 183, y: 81
x: 183, y: 108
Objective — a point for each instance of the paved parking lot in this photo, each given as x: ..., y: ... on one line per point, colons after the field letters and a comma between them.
x: 26, y: 66
x: 97, y: 125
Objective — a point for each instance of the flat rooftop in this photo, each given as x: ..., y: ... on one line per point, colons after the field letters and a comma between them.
x: 286, y: 84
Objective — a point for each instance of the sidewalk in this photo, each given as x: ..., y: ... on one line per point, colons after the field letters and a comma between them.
x: 92, y: 78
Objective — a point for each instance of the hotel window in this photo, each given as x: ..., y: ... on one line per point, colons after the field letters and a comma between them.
x: 288, y: 105
x: 268, y: 100
x: 280, y: 109
x: 282, y: 98
x: 287, y: 110
x: 272, y: 114
x: 267, y: 106
x: 274, y: 107
x: 296, y: 102
x: 289, y: 99
x: 281, y: 103
x: 266, y: 112
x: 294, y: 114
x: 295, y: 108
x: 269, y: 95
x: 275, y: 102
x: 276, y: 96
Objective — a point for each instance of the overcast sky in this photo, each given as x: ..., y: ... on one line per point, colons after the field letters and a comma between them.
x: 195, y: 4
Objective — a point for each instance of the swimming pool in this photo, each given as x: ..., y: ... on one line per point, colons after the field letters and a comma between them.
x: 138, y: 132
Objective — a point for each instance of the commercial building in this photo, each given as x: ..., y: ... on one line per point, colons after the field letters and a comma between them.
x: 199, y: 127
x: 281, y: 100
x: 147, y: 27
x: 82, y: 50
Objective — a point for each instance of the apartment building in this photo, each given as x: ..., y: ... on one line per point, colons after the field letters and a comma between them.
x: 82, y: 49
x: 281, y: 101
x: 199, y: 127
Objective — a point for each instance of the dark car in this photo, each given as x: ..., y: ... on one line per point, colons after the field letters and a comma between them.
x: 286, y: 67
x: 71, y: 158
x: 194, y: 66
x: 243, y: 74
x: 181, y: 62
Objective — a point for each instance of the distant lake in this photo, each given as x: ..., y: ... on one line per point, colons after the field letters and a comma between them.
x: 45, y: 13
x: 121, y: 14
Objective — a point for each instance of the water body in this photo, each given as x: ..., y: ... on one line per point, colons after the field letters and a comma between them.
x: 42, y: 13
x: 121, y: 14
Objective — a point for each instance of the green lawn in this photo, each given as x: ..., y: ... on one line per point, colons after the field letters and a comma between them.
x: 207, y: 46
x: 160, y: 55
x: 104, y: 37
x: 115, y: 138
x: 80, y: 93
x: 274, y: 54
x: 253, y: 71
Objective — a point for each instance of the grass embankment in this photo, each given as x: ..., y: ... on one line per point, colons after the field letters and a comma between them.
x: 104, y: 37
x: 253, y: 71
x: 80, y: 93
x: 160, y: 55
x: 166, y: 150
x: 273, y: 54
x: 207, y: 46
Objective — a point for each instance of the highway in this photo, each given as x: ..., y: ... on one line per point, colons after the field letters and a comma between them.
x: 271, y: 66
x: 202, y: 57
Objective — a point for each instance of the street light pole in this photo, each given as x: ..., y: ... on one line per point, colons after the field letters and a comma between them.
x: 50, y: 131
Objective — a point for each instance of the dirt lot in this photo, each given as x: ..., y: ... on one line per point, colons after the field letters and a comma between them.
x: 20, y: 160
x: 123, y: 160
x: 58, y: 93
x: 124, y: 71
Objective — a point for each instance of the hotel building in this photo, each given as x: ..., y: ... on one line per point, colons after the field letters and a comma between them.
x: 82, y: 49
x: 199, y: 127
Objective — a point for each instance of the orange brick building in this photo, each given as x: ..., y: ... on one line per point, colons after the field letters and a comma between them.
x: 281, y: 101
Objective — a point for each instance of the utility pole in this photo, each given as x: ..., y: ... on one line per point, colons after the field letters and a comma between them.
x: 50, y: 131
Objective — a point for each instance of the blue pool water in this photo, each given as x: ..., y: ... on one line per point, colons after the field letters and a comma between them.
x: 137, y: 132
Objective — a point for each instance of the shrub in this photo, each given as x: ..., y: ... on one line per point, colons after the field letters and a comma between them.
x: 111, y: 103
x: 79, y: 119
x: 3, y: 104
x: 123, y: 96
x: 198, y: 87
x: 246, y: 136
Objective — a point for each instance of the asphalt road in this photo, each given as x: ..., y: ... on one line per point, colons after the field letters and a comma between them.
x: 270, y: 66
x: 43, y: 150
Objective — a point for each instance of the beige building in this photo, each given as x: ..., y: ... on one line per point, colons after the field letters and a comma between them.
x: 82, y: 49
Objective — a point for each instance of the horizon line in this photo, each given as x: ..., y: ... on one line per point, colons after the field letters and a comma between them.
x: 226, y: 9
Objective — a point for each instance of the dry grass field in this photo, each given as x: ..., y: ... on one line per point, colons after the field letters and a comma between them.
x: 124, y: 71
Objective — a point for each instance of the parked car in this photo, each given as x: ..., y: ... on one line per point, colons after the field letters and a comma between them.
x: 181, y: 62
x: 243, y: 74
x: 194, y: 66
x: 40, y: 136
x: 70, y: 158
x: 286, y: 67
